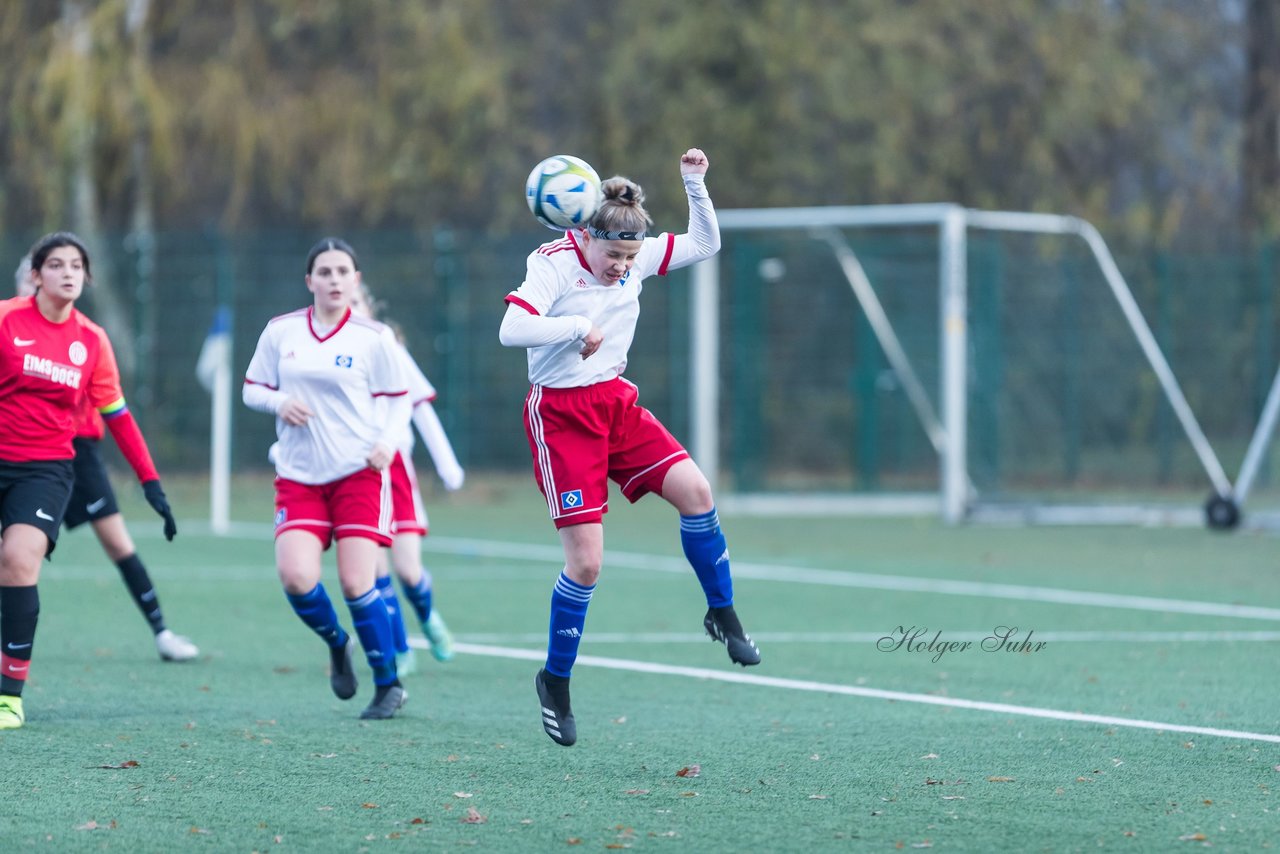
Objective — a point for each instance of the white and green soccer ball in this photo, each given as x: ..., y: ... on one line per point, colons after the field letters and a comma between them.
x: 563, y: 192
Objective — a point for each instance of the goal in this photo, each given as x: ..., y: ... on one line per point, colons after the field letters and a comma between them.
x: 981, y: 370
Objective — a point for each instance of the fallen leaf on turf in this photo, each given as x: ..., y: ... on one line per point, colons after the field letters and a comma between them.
x: 929, y: 781
x: 930, y: 756
x: 1130, y: 833
x: 323, y: 809
x: 278, y: 838
x: 1000, y: 780
x: 526, y: 821
x: 1083, y: 780
x: 462, y: 794
x: 89, y: 825
x: 925, y: 844
x: 370, y: 806
x: 953, y: 797
x: 688, y: 794
x: 877, y: 812
x: 200, y: 831
x: 1193, y: 837
x: 689, y: 771
x: 129, y: 763
x: 815, y: 757
x: 616, y: 845
x: 817, y: 797
x: 1189, y: 745
x: 621, y: 720
x: 418, y: 821
x: 1208, y: 802
x: 573, y: 840
x: 637, y: 791
x: 473, y: 816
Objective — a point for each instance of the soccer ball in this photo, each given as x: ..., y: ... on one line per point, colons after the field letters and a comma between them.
x: 562, y: 192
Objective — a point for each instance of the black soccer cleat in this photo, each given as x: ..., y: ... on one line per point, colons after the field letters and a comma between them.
x: 557, y: 716
x: 723, y: 625
x: 387, y: 700
x: 342, y: 675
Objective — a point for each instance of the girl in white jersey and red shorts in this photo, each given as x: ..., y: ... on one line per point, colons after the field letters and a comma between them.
x: 322, y: 371
x: 576, y: 314
x: 409, y: 521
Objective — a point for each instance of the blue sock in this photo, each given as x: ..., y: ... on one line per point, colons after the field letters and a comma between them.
x: 419, y: 596
x: 705, y: 548
x: 316, y: 611
x: 569, y: 602
x: 388, y: 594
x: 374, y: 630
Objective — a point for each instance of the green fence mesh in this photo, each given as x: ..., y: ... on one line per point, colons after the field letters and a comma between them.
x: 1060, y: 399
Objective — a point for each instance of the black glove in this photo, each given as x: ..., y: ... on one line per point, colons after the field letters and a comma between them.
x: 155, y: 497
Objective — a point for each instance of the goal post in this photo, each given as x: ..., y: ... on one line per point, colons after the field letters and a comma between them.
x: 956, y: 499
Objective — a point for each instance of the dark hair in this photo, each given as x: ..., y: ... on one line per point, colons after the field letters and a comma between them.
x: 40, y: 252
x: 331, y: 244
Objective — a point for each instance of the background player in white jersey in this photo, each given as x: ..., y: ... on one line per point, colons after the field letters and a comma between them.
x: 94, y: 501
x: 409, y: 523
x: 321, y: 372
x: 576, y: 313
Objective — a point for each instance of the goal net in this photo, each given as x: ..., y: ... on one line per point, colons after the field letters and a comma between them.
x: 931, y: 358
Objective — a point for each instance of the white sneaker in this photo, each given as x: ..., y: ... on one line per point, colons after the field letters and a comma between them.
x: 175, y: 647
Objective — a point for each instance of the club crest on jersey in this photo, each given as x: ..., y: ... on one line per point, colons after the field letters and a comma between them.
x: 77, y: 353
x: 343, y: 361
x: 571, y: 500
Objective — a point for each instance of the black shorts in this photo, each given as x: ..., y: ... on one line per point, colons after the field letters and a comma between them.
x: 92, y: 497
x: 35, y: 493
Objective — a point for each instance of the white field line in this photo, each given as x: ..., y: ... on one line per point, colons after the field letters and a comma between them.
x: 843, y: 578
x: 552, y: 554
x: 872, y: 637
x: 852, y: 691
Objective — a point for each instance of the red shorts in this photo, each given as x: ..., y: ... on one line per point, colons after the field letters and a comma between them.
x: 358, y: 505
x: 408, y: 515
x: 582, y: 437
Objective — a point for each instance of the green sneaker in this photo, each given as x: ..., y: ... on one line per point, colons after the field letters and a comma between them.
x: 406, y: 662
x: 11, y: 716
x: 439, y: 635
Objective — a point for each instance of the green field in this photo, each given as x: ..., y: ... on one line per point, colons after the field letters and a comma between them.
x: 247, y: 750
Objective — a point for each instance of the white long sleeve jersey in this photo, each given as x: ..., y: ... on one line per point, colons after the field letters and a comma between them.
x: 559, y: 285
x: 341, y: 376
x: 420, y: 391
x: 423, y: 416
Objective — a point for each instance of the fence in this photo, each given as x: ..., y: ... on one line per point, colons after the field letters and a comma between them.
x: 1061, y: 396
